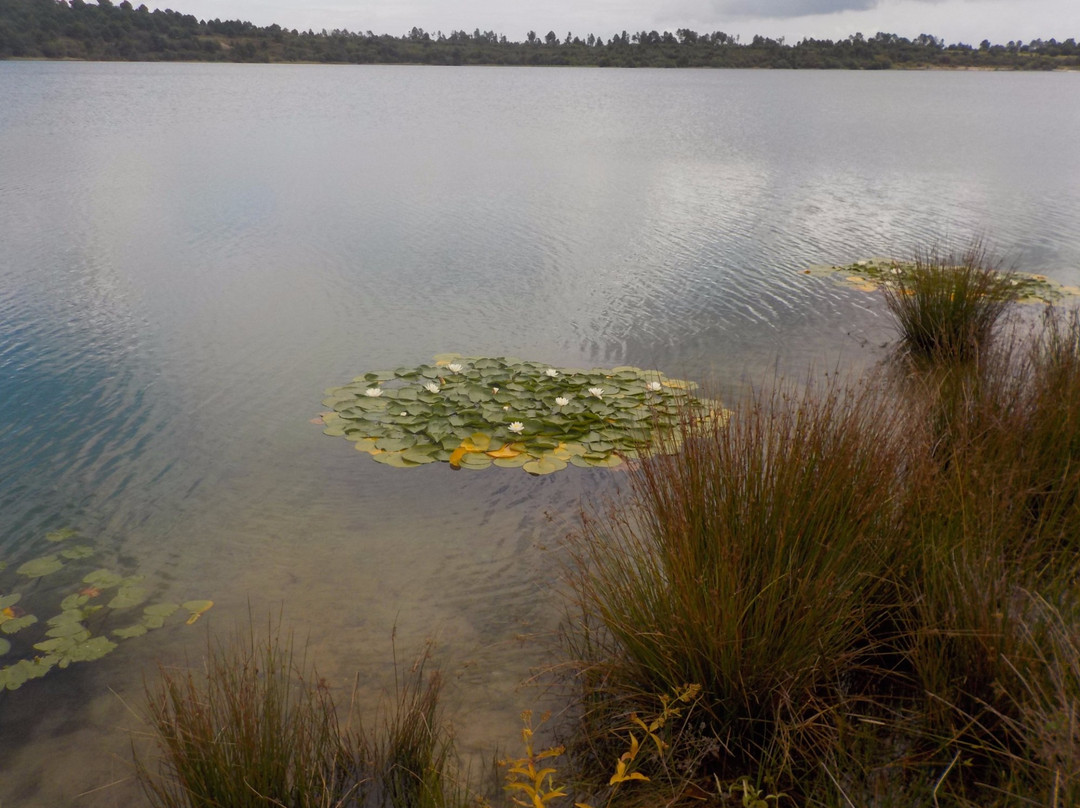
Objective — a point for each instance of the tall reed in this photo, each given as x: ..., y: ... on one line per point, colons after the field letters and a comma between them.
x: 257, y: 727
x: 948, y: 307
x: 751, y: 563
x: 991, y: 528
x: 875, y: 586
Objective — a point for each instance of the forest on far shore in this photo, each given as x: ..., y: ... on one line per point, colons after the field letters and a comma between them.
x: 74, y: 29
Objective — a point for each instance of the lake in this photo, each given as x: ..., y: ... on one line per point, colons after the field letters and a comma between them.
x: 191, y: 253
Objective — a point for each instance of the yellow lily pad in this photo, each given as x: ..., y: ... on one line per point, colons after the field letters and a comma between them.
x: 197, y: 608
x: 504, y: 451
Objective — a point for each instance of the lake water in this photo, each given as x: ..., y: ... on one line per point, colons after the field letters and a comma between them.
x: 190, y: 254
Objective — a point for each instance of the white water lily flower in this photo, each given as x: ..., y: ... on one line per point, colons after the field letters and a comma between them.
x: 517, y: 427
x: 506, y: 406
x: 373, y: 392
x: 494, y: 390
x: 551, y: 372
x: 431, y: 387
x: 654, y: 386
x: 454, y: 367
x: 403, y: 413
x: 562, y: 401
x: 596, y: 391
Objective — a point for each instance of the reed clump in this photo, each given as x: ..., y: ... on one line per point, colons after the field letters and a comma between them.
x: 754, y: 564
x: 875, y: 588
x: 947, y: 307
x: 256, y: 726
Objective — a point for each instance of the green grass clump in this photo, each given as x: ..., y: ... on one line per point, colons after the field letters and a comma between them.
x: 257, y: 727
x: 947, y: 308
x: 752, y: 564
x: 876, y: 589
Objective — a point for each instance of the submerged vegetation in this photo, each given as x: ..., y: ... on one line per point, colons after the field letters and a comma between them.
x: 83, y: 627
x: 475, y: 412
x: 104, y: 31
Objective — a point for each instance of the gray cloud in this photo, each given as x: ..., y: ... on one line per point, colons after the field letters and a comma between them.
x: 789, y: 8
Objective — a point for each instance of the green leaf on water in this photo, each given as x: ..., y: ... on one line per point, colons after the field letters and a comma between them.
x: 420, y: 454
x: 17, y: 623
x: 9, y: 600
x: 68, y: 630
x: 40, y: 567
x: 136, y: 630
x: 19, y: 673
x: 74, y: 601
x: 77, y: 552
x: 475, y: 461
x: 511, y: 462
x: 412, y: 425
x: 394, y: 444
x: 545, y: 465
x: 103, y: 579
x: 161, y: 609
x: 127, y: 596
x: 394, y: 459
x: 5, y: 646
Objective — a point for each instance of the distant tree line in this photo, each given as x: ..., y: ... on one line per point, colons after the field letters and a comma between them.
x: 75, y: 29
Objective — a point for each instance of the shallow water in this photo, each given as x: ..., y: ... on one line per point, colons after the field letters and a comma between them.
x: 189, y: 254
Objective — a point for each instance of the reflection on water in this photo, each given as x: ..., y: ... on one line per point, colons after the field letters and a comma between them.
x: 189, y: 254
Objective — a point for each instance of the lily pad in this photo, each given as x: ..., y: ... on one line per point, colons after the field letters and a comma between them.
x: 40, y: 567
x: 870, y: 274
x: 17, y: 623
x: 136, y: 630
x: 545, y: 465
x: 161, y: 609
x: 197, y: 608
x: 475, y: 460
x: 475, y: 412
x: 103, y: 579
x: 127, y: 596
x: 14, y: 676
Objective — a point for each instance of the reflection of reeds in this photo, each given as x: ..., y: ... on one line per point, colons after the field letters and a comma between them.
x: 257, y: 727
x: 878, y: 599
x: 947, y: 307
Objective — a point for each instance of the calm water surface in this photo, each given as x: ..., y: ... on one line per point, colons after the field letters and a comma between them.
x: 189, y: 254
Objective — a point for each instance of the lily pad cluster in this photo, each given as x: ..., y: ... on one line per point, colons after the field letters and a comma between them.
x: 873, y: 273
x: 477, y: 412
x: 80, y: 629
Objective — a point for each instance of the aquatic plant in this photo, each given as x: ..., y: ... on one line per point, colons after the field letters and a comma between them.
x: 476, y: 412
x: 946, y: 308
x: 255, y: 725
x: 81, y: 630
x: 752, y: 564
x: 872, y: 274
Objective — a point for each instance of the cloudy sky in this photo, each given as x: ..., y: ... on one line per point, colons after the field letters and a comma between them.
x: 967, y: 21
